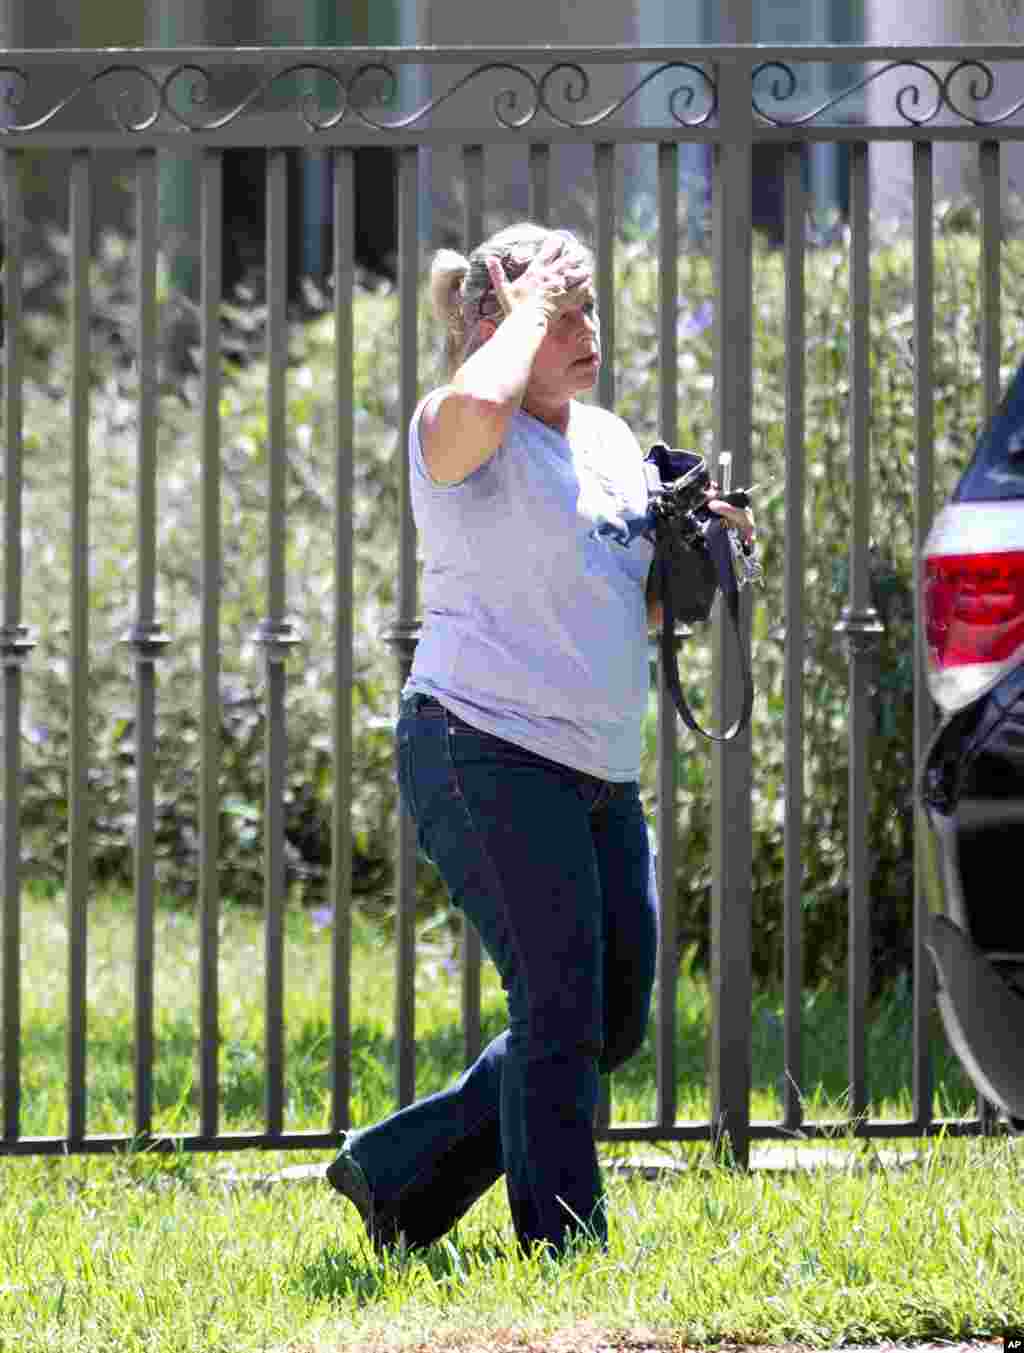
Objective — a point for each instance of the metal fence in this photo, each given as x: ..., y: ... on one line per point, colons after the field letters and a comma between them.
x: 728, y: 98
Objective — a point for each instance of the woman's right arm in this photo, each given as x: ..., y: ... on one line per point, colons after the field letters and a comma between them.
x: 462, y: 430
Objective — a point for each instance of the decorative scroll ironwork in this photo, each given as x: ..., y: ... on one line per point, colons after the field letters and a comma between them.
x: 977, y: 92
x: 914, y: 107
x: 324, y: 96
x: 373, y: 82
x: 577, y: 89
x: 15, y: 83
x: 784, y: 86
x: 505, y: 103
x: 180, y: 96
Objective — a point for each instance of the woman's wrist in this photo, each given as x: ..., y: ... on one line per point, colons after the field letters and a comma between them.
x: 530, y: 316
x: 499, y: 371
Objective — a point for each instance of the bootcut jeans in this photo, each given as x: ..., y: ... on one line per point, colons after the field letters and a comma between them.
x: 554, y: 868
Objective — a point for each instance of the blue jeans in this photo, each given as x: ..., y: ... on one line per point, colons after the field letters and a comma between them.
x: 554, y: 868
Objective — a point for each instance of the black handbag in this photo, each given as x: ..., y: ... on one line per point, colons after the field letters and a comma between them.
x: 693, y: 561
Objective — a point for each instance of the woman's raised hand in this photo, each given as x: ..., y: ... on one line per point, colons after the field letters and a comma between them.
x: 557, y: 279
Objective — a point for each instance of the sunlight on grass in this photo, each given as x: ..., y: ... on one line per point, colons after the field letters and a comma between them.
x: 148, y: 1254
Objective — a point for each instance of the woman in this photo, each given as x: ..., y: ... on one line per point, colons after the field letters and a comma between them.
x: 519, y: 745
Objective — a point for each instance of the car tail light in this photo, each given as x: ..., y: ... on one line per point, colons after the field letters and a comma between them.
x: 974, y: 621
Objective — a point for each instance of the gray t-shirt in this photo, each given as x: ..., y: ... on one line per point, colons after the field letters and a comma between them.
x: 535, y: 627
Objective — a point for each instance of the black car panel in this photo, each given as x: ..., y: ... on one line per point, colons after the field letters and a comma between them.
x: 983, y: 1015
x: 996, y: 470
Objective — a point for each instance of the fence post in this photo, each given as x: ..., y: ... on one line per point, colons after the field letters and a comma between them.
x: 990, y: 194
x: 341, y: 725
x: 793, y: 591
x: 731, y: 822
x: 924, y: 494
x: 77, y: 888
x: 407, y: 628
x: 15, y: 640
x: 211, y: 213
x: 860, y: 629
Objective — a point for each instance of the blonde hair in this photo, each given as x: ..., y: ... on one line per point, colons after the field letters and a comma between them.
x: 461, y: 291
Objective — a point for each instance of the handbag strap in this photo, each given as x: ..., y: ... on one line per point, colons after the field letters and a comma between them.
x: 721, y: 553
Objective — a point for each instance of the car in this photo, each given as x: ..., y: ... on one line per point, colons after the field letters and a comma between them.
x: 970, y: 786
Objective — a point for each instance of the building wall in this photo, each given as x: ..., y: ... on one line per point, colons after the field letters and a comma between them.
x: 955, y: 167
x: 75, y: 23
x: 453, y: 22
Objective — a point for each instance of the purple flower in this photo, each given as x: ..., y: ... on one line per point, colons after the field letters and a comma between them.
x: 697, y: 320
x: 321, y: 917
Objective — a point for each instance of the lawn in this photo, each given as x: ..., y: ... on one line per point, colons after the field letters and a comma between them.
x: 186, y: 1252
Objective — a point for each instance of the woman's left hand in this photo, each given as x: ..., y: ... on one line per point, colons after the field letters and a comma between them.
x: 739, y: 517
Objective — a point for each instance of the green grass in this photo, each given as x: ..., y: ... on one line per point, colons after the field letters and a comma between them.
x: 160, y: 1253
x: 439, y: 1040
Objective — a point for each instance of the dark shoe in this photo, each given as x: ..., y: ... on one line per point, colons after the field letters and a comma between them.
x: 345, y: 1175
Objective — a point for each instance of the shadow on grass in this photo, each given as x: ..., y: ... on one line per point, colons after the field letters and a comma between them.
x: 360, y: 1276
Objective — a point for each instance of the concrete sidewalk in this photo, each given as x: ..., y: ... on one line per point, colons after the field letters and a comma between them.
x: 780, y: 1158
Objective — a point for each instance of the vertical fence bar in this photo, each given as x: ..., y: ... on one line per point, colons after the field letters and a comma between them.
x: 473, y: 214
x: 15, y: 644
x: 991, y: 356
x: 924, y: 492
x: 145, y: 635
x: 341, y: 734
x: 472, y: 233
x: 991, y: 259
x: 273, y: 806
x: 604, y: 173
x: 731, y: 826
x: 408, y: 275
x: 793, y: 605
x: 78, y: 768
x: 275, y: 635
x: 540, y: 182
x: 859, y: 627
x: 859, y: 927
x: 211, y: 217
x: 668, y: 418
